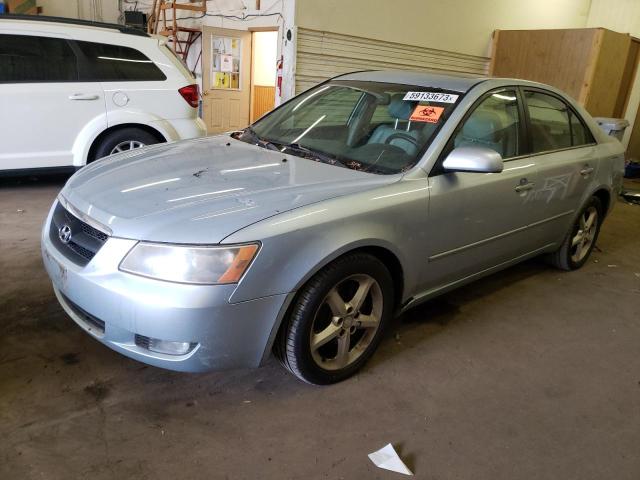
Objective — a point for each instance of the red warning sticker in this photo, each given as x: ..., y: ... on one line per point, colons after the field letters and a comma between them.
x: 425, y: 113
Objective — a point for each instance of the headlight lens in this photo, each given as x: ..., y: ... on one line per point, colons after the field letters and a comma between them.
x: 188, y: 264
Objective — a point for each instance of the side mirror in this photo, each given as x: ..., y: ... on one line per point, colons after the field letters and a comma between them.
x: 473, y: 159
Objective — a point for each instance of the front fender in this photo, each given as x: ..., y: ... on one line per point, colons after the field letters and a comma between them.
x: 298, y: 243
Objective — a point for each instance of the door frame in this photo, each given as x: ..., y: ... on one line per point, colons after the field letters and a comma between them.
x: 274, y: 28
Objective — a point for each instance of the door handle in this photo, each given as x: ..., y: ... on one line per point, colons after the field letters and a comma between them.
x: 586, y: 171
x: 84, y: 96
x: 523, y: 187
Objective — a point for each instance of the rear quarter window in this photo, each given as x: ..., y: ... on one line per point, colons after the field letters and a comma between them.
x: 115, y: 63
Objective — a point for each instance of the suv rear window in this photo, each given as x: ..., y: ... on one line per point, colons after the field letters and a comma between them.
x: 31, y: 59
x: 115, y: 63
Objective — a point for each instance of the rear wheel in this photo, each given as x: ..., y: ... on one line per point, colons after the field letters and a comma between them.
x: 581, y: 239
x: 123, y: 140
x: 337, y: 320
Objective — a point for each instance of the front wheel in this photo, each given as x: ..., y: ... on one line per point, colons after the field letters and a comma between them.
x: 337, y: 320
x: 578, y: 245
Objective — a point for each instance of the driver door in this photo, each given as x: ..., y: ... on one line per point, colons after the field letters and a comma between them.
x: 481, y: 220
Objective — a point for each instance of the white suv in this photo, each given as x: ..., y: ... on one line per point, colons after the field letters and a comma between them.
x: 73, y: 91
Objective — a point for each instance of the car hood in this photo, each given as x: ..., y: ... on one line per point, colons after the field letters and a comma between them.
x: 201, y: 191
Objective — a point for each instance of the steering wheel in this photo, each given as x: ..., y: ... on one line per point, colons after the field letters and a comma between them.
x: 403, y: 136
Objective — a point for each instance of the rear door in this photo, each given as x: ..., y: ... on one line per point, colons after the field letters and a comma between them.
x: 480, y: 220
x: 44, y: 105
x: 134, y: 86
x: 565, y: 152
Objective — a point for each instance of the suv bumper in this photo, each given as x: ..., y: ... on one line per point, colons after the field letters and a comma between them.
x: 181, y: 129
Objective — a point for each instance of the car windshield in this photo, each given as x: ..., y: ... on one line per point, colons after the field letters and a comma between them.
x: 374, y: 127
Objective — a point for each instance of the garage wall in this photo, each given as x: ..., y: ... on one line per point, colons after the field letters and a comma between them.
x: 100, y: 10
x: 461, y: 26
x: 322, y: 55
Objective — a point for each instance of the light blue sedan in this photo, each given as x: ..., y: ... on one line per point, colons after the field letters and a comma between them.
x: 307, y: 232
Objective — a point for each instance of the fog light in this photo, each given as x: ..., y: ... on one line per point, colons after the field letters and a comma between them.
x: 170, y: 348
x: 164, y: 346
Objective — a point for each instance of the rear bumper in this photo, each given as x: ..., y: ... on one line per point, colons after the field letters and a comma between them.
x: 118, y: 309
x: 181, y: 129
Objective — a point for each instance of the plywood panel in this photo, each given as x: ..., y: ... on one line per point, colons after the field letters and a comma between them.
x: 633, y: 149
x: 628, y: 77
x: 322, y: 55
x: 264, y: 99
x: 557, y: 57
x: 605, y: 83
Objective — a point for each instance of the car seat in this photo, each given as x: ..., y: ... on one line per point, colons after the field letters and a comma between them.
x: 400, y: 110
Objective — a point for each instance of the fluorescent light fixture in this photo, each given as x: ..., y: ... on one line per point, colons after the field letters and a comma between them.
x: 504, y: 97
x: 310, y: 96
x: 400, y: 193
x: 125, y: 60
x: 223, y: 212
x: 299, y: 216
x: 307, y: 130
x: 229, y: 170
x: 152, y: 184
x: 217, y: 192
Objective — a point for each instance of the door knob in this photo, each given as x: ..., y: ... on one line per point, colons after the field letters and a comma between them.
x: 84, y: 96
x: 524, y: 185
x: 586, y: 171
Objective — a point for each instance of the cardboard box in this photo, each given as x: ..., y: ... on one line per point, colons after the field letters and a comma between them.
x: 24, y: 7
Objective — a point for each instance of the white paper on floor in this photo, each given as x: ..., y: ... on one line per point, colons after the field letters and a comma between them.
x: 388, y: 459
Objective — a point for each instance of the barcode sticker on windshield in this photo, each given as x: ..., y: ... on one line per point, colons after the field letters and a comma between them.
x: 431, y: 97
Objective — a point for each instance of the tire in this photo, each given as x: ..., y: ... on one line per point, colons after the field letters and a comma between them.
x: 121, y: 139
x: 571, y: 256
x: 347, y: 322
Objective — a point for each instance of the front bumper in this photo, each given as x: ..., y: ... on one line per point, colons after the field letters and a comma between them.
x: 114, y: 307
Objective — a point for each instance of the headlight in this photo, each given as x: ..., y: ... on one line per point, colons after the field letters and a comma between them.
x: 188, y: 264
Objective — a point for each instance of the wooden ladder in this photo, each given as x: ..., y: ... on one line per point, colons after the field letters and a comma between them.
x: 171, y: 27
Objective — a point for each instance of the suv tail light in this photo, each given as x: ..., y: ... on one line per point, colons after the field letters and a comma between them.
x: 191, y: 94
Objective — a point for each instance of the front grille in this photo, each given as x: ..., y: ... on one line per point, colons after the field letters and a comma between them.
x: 85, y: 240
x: 85, y: 316
x: 94, y: 232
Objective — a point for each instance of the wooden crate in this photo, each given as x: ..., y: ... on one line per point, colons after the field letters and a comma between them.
x: 26, y: 7
x: 590, y: 64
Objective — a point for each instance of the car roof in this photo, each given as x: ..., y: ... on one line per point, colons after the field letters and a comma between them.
x: 35, y: 20
x: 457, y: 83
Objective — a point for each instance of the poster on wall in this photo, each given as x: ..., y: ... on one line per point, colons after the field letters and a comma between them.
x: 226, y: 63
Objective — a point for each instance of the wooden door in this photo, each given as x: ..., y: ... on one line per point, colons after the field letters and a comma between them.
x: 226, y: 70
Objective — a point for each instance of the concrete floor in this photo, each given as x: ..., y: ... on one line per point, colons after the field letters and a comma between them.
x: 531, y: 373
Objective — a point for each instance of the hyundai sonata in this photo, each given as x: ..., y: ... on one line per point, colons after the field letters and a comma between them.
x: 305, y: 233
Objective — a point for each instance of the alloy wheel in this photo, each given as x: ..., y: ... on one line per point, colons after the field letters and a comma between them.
x: 583, y: 239
x: 126, y: 146
x: 346, y: 322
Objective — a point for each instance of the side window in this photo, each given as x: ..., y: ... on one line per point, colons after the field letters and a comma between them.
x: 29, y: 59
x: 579, y: 133
x: 549, y: 116
x: 494, y: 123
x: 113, y: 63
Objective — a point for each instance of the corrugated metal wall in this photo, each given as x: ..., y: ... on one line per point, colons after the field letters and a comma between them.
x: 322, y: 55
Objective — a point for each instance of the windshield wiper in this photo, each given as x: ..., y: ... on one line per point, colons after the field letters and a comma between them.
x: 313, y: 154
x: 261, y: 142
